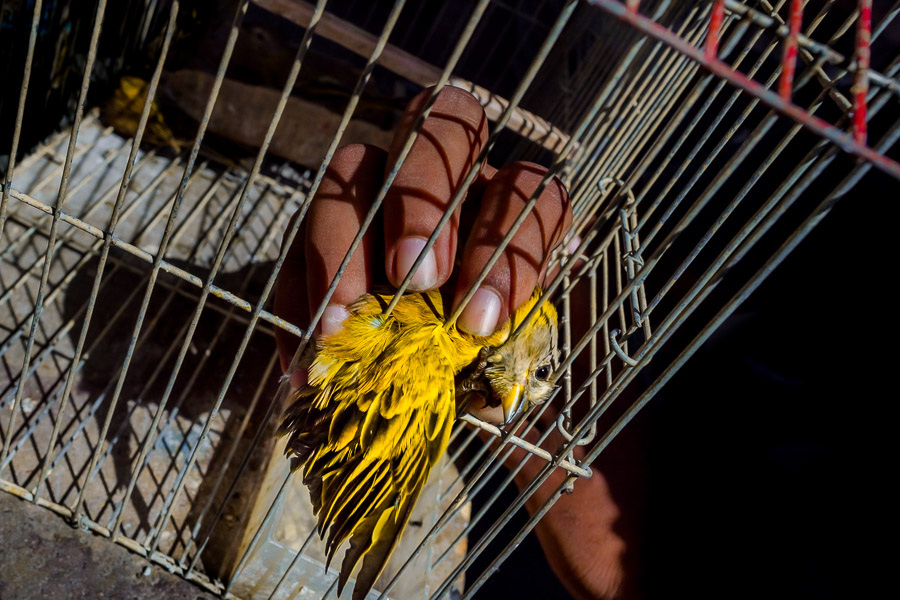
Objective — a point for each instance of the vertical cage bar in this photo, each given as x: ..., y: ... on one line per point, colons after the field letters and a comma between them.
x: 860, y: 87
x: 789, y: 58
x: 776, y: 259
x: 164, y: 515
x: 587, y: 119
x: 715, y: 24
x: 104, y: 253
x: 629, y: 105
x: 185, y: 332
x: 816, y: 125
x: 361, y: 82
x: 520, y: 536
x: 204, y: 294
x: 548, y: 44
x: 166, y: 238
x: 366, y: 73
x: 279, y: 498
x: 20, y: 111
x: 149, y: 189
x: 54, y: 225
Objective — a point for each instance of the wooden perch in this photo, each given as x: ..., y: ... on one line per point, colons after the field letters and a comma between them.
x: 415, y: 69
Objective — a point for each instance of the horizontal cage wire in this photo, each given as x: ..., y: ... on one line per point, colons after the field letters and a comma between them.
x: 700, y: 143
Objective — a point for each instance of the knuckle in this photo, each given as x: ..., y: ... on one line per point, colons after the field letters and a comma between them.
x: 453, y: 105
x: 527, y: 176
x: 450, y: 100
x: 522, y: 174
x: 348, y: 161
x: 552, y: 212
x: 460, y: 100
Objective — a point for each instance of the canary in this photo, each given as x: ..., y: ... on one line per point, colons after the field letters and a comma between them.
x: 123, y: 113
x: 377, y: 412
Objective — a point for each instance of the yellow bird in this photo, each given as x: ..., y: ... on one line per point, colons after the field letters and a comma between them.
x: 377, y: 413
x: 123, y: 113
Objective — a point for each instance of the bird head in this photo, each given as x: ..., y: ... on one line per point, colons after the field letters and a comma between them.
x: 519, y: 372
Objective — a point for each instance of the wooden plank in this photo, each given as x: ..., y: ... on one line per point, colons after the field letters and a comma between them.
x: 411, y: 67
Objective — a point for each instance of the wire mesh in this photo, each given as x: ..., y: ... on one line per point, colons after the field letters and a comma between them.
x: 700, y: 143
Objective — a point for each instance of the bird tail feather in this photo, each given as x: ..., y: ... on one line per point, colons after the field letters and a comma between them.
x: 376, y: 539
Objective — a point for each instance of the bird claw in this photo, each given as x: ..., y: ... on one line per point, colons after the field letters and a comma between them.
x: 475, y: 381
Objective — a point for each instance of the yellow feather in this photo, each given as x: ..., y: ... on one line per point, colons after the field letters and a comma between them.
x: 376, y: 418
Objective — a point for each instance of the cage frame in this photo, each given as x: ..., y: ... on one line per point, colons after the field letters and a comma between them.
x: 616, y: 197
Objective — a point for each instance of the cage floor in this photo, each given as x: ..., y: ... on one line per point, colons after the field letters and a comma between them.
x: 45, y: 558
x: 212, y: 195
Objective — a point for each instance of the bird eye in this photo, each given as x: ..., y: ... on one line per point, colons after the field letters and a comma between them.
x: 543, y: 372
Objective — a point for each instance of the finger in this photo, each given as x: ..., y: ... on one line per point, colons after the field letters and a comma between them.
x: 479, y: 407
x: 432, y: 173
x: 335, y: 217
x: 556, y: 266
x: 514, y: 276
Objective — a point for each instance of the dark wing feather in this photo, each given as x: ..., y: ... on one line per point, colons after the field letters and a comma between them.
x: 384, y: 539
x: 366, y: 442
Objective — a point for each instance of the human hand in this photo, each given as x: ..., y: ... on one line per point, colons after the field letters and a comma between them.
x: 578, y: 534
x: 446, y: 148
x: 441, y: 156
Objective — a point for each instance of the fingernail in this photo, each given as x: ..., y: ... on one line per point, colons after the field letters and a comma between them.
x: 407, y: 252
x: 481, y: 314
x: 333, y: 319
x: 573, y: 245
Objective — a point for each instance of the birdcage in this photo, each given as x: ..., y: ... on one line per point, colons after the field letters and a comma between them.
x: 700, y: 143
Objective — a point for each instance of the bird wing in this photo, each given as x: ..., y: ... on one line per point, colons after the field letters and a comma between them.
x: 368, y: 429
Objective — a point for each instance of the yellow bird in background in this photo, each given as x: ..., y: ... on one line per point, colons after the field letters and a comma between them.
x: 377, y: 413
x: 123, y: 112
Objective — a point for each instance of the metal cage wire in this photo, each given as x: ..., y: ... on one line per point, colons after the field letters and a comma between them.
x: 646, y: 142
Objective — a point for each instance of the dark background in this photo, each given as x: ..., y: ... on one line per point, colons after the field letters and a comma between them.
x: 762, y: 469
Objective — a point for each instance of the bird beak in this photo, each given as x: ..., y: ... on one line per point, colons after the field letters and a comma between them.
x: 512, y: 402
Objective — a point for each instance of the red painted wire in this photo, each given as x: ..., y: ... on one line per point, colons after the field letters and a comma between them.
x: 789, y: 59
x: 861, y: 82
x: 715, y: 25
x: 770, y: 98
